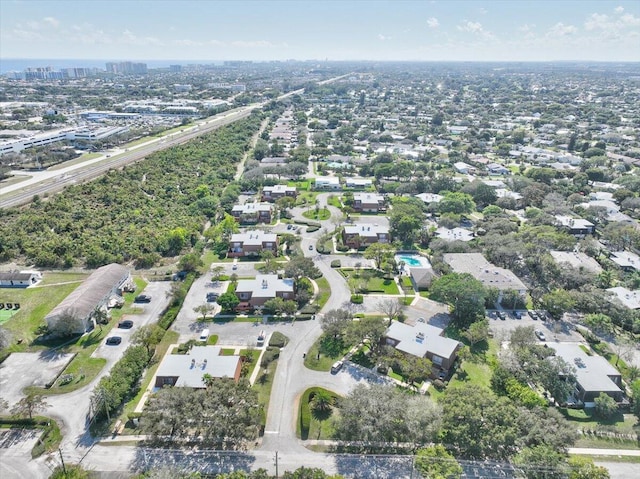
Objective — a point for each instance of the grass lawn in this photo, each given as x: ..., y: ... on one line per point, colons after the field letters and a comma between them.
x: 321, y: 214
x: 300, y: 185
x: 324, y: 352
x: 227, y: 352
x: 263, y: 385
x: 334, y: 200
x: 315, y: 424
x: 324, y: 293
x: 360, y: 357
x: 75, y: 161
x: 372, y: 281
x: 35, y: 304
x: 585, y: 419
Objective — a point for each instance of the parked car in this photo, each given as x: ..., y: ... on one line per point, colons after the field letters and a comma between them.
x: 540, y: 335
x: 142, y: 298
x: 234, y: 267
x: 126, y: 324
x: 501, y: 315
x: 212, y: 297
x: 336, y: 366
x: 114, y: 340
x: 517, y: 314
x: 442, y: 375
x: 289, y: 226
x: 533, y: 315
x: 310, y: 247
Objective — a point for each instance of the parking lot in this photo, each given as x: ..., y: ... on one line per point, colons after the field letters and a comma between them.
x: 552, y: 330
x: 20, y: 370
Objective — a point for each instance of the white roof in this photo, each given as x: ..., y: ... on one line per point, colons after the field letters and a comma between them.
x: 577, y: 260
x: 252, y: 207
x: 200, y: 360
x: 592, y: 372
x: 365, y: 229
x: 630, y: 299
x: 420, y: 339
x: 430, y: 197
x: 254, y: 237
x: 265, y: 286
x: 279, y: 188
x: 574, y: 222
x: 488, y: 274
x: 626, y: 259
x: 368, y: 197
x: 455, y: 234
x: 328, y: 180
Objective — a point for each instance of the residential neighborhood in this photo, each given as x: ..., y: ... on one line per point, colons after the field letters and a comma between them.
x: 362, y: 266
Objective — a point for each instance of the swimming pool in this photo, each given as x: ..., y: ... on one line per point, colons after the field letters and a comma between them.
x: 414, y: 260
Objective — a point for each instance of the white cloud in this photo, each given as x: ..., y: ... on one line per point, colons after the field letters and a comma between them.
x: 601, y: 21
x: 130, y: 38
x: 561, y: 30
x: 252, y: 44
x: 597, y: 21
x: 619, y: 9
x: 54, y: 22
x: 628, y: 19
x: 472, y: 27
x: 433, y: 22
x: 383, y: 38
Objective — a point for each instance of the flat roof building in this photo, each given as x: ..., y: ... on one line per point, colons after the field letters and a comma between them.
x: 188, y: 370
x: 489, y: 275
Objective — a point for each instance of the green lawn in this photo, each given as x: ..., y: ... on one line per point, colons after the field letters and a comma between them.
x: 369, y: 281
x: 321, y: 214
x: 227, y: 352
x: 334, y: 200
x: 75, y: 161
x: 263, y: 385
x: 324, y: 293
x: 585, y: 419
x: 35, y: 304
x: 314, y: 424
x: 329, y: 350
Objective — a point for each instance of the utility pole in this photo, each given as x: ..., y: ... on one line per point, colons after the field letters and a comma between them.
x: 64, y: 468
x: 276, y: 464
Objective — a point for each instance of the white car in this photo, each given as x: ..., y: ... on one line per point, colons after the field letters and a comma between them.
x: 540, y: 335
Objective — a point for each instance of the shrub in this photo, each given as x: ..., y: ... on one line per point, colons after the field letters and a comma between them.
x: 278, y: 340
x: 311, y: 229
x: 357, y: 298
x: 336, y: 263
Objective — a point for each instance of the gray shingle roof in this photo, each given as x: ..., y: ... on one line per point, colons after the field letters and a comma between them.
x: 420, y: 339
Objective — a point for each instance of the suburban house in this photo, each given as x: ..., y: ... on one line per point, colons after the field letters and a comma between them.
x: 629, y: 299
x: 464, y: 168
x: 22, y: 279
x: 252, y: 213
x: 576, y: 226
x: 252, y: 243
x: 362, y: 235
x: 187, y: 370
x: 578, y: 260
x: 489, y: 275
x: 368, y: 203
x: 627, y: 260
x: 429, y: 198
x: 358, y: 183
x: 594, y: 374
x: 94, y: 293
x: 424, y: 341
x: 497, y: 169
x: 455, y: 234
x: 327, y: 183
x: 255, y: 292
x: 273, y: 193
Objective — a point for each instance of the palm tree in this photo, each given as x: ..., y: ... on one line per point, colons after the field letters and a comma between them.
x: 322, y: 401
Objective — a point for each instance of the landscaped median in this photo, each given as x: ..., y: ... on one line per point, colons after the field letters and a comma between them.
x: 314, y: 414
x: 369, y: 281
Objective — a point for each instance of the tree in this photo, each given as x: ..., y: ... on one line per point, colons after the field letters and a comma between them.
x: 274, y: 305
x: 623, y: 347
x: 599, y: 323
x: 301, y: 266
x: 204, y: 309
x: 540, y: 462
x: 216, y: 273
x: 606, y: 406
x: 477, y: 332
x: 322, y: 401
x: 270, y: 265
x: 70, y: 471
x: 30, y: 404
x: 148, y: 336
x: 335, y: 322
x: 435, y: 462
x: 457, y: 203
x: 379, y: 253
x: 228, y: 302
x: 391, y: 307
x: 66, y: 325
x: 464, y: 293
x: 557, y: 302
x: 379, y: 413
x: 478, y: 424
x: 367, y: 328
x: 635, y: 392
x: 582, y: 467
x: 190, y: 262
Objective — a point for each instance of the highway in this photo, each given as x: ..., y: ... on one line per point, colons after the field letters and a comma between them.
x: 53, y: 181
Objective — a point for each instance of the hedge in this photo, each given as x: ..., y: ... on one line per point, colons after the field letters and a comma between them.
x: 336, y: 263
x: 171, y: 313
x: 304, y: 414
x: 357, y: 298
x: 278, y: 340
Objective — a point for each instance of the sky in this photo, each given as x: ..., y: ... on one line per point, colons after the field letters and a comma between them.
x: 419, y: 30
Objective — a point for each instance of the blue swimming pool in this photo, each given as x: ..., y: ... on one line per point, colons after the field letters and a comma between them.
x: 414, y: 260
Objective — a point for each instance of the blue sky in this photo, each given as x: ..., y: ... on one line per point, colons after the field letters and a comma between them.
x: 541, y: 30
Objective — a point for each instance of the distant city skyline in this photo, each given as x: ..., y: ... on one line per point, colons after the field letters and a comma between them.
x: 208, y: 31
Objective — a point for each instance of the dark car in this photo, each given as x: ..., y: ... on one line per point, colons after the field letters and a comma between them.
x: 212, y: 297
x: 289, y: 226
x: 310, y: 247
x: 114, y: 340
x: 501, y: 315
x: 126, y: 324
x: 142, y: 298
